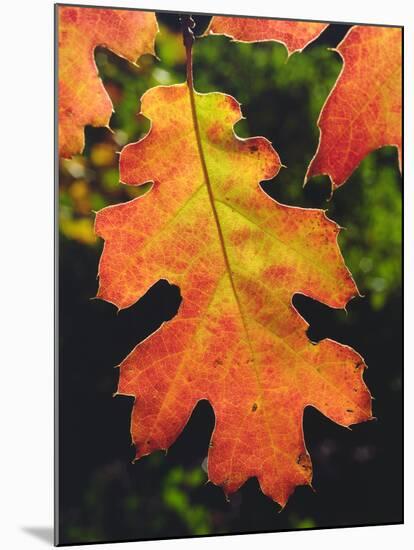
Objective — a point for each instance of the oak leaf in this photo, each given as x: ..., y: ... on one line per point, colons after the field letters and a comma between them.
x: 295, y: 35
x: 363, y: 112
x: 82, y: 97
x: 238, y: 257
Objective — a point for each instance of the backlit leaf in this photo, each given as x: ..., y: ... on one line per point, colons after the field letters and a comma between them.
x: 363, y: 111
x: 238, y: 257
x: 295, y: 35
x: 82, y: 97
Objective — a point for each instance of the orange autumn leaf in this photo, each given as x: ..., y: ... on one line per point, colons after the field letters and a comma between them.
x: 295, y: 35
x: 363, y: 111
x: 82, y: 97
x: 238, y: 257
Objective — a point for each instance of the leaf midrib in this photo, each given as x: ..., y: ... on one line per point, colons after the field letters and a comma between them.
x: 226, y: 257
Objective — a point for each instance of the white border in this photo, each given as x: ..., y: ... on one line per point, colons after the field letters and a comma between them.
x: 26, y: 274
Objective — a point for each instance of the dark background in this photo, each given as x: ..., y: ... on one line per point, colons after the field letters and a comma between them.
x: 358, y: 473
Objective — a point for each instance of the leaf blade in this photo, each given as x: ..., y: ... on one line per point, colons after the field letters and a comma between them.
x: 294, y: 35
x: 236, y: 340
x: 363, y: 112
x: 82, y: 97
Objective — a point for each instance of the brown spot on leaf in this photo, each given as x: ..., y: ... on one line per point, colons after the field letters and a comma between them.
x: 304, y: 461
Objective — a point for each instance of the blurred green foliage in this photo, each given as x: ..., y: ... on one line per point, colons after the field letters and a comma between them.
x: 177, y: 484
x: 181, y: 510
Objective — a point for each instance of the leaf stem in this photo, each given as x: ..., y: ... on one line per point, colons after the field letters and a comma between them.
x: 188, y: 24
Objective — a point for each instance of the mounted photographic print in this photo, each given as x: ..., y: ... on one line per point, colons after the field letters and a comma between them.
x: 229, y: 263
